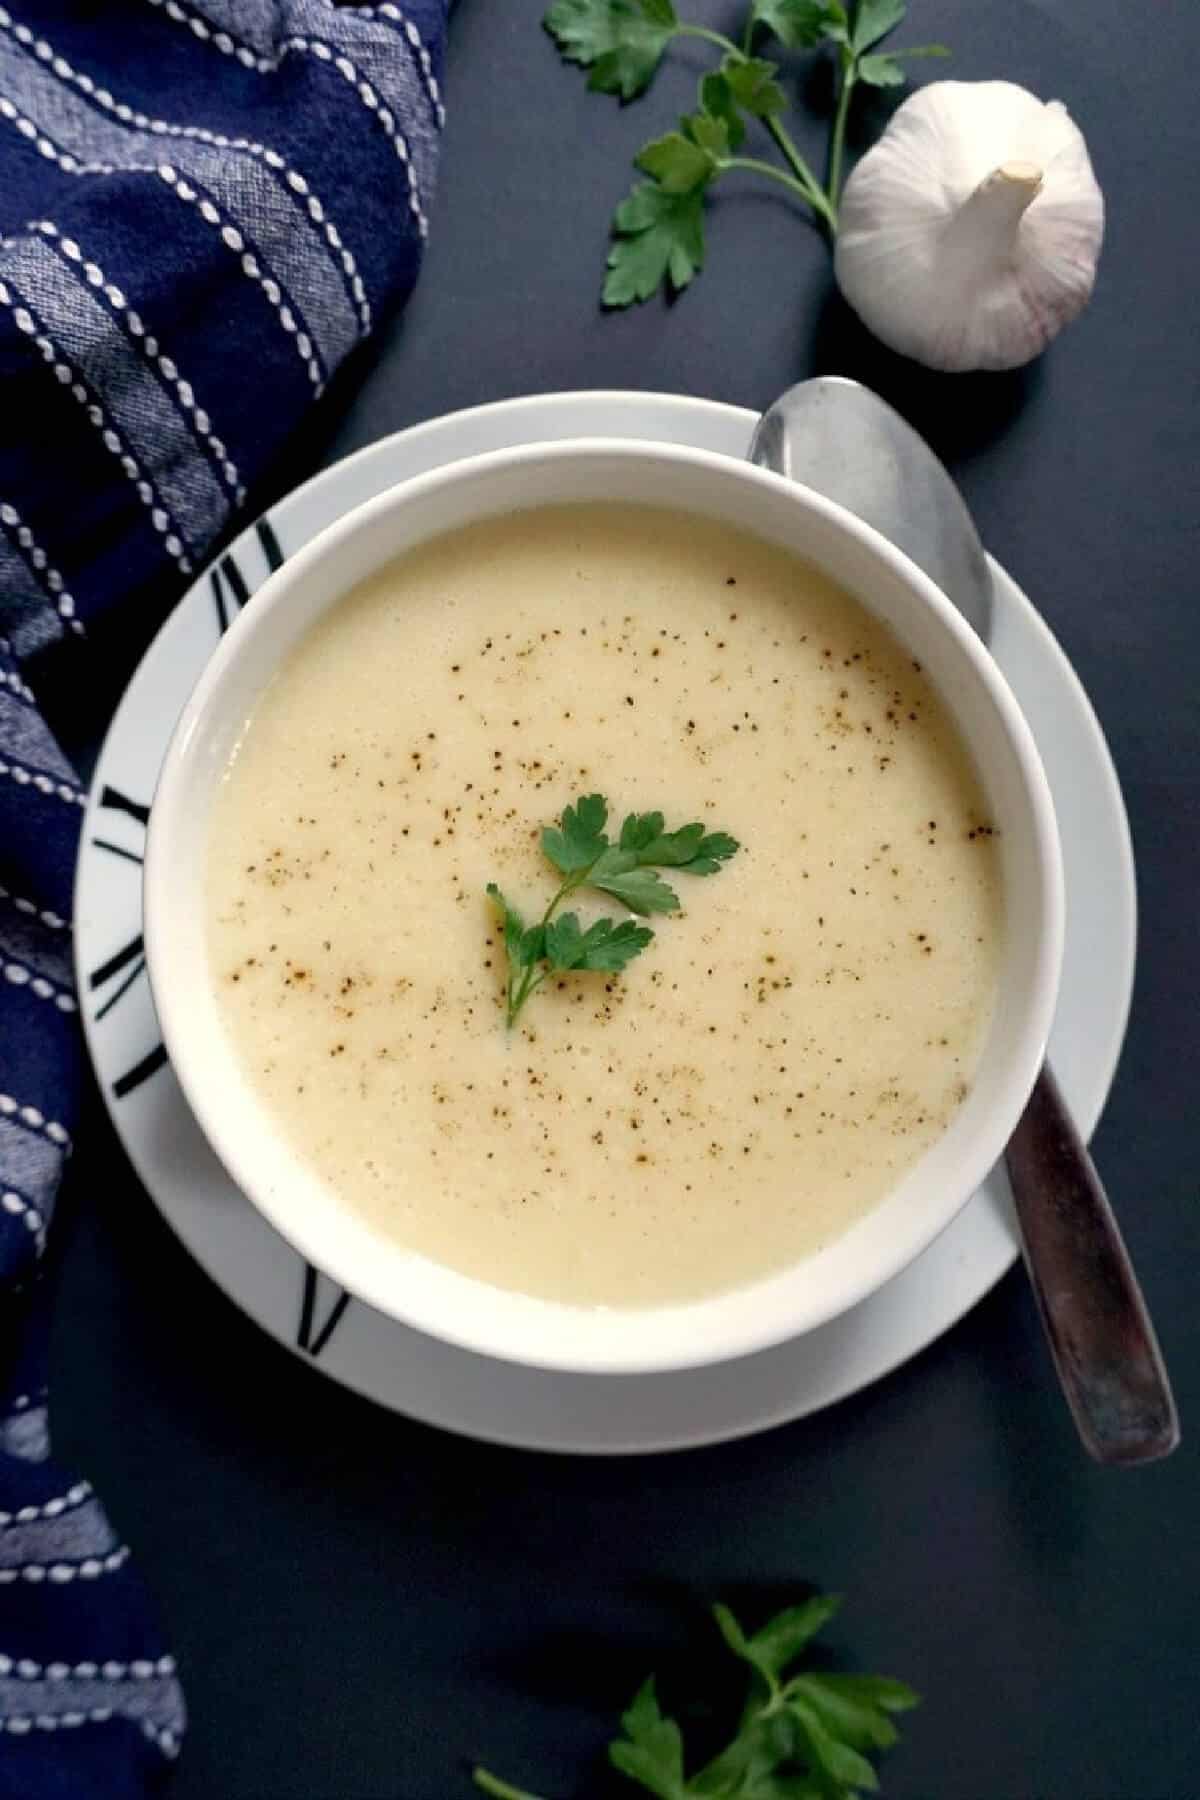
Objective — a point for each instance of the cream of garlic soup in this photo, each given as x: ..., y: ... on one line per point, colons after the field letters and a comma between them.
x: 790, y: 1042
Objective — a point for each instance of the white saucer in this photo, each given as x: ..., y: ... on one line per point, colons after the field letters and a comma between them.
x: 401, y: 1368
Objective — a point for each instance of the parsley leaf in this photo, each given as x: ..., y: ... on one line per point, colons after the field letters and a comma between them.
x: 604, y: 945
x: 752, y: 83
x: 861, y: 1723
x: 522, y: 943
x: 801, y: 1739
x: 717, y: 102
x: 514, y: 924
x: 802, y: 24
x: 641, y: 890
x: 658, y: 238
x: 641, y: 829
x: 582, y: 837
x: 713, y: 132
x: 842, y: 1767
x: 782, y: 1639
x: 753, y: 1762
x: 680, y: 164
x: 878, y: 1690
x: 651, y: 1752
x: 579, y: 848
x: 873, y: 19
x: 621, y: 41
x: 885, y: 70
x: 688, y: 848
x: 880, y: 71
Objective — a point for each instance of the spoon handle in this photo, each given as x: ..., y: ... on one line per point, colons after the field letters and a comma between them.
x: 1096, y: 1321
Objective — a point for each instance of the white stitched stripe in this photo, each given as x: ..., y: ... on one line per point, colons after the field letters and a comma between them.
x: 222, y: 40
x: 110, y: 438
x: 32, y: 911
x: 250, y: 266
x: 81, y: 1538
x: 184, y: 395
x: 23, y: 734
x: 18, y: 975
x: 17, y: 1207
x: 417, y: 45
x: 133, y: 119
x: 328, y: 53
x: 138, y: 419
x: 49, y: 577
x: 19, y: 1724
x: 34, y: 778
x: 46, y: 1509
x: 60, y: 1573
x: 210, y: 214
x: 12, y: 681
x: 140, y: 1669
x: 30, y: 1116
x: 234, y: 193
x: 323, y: 52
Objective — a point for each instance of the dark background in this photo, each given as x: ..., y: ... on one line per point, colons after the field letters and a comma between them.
x: 360, y: 1604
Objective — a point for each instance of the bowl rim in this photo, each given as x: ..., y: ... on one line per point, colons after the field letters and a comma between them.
x: 312, y: 1242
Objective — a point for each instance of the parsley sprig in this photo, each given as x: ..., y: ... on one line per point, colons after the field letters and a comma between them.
x: 628, y: 871
x: 802, y: 1735
x: 658, y: 230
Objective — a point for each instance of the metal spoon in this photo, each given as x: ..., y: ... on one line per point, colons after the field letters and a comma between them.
x: 848, y: 444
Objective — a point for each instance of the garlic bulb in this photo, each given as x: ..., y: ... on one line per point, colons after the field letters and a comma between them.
x: 969, y: 234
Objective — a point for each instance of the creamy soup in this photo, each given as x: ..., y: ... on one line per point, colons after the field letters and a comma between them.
x: 788, y: 1045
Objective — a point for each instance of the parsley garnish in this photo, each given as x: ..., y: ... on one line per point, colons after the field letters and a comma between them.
x: 658, y: 230
x: 801, y: 1736
x: 628, y: 871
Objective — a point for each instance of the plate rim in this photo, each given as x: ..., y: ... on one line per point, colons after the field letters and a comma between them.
x: 556, y: 406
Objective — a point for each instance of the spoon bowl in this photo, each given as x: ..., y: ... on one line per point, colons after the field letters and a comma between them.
x: 838, y: 437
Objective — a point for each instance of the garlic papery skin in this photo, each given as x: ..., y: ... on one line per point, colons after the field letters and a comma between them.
x: 969, y: 234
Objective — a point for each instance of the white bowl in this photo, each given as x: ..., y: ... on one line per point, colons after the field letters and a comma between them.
x: 491, y: 1320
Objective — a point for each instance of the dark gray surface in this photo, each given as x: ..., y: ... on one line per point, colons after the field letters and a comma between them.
x: 363, y: 1603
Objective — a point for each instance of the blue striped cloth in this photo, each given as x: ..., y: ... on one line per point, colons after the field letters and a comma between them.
x: 204, y: 206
